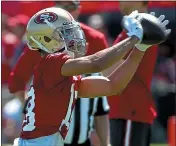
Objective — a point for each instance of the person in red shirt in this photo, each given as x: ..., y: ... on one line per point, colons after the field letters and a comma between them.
x: 11, y: 43
x: 10, y: 8
x: 133, y: 111
x: 55, y: 85
x: 18, y: 79
x: 8, y: 43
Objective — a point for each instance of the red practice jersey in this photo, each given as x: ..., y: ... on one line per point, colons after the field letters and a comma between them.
x: 51, y: 99
x: 23, y: 70
x: 136, y: 102
x: 49, y: 85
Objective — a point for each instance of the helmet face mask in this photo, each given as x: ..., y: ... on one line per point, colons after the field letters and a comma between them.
x: 52, y: 36
x: 74, y: 39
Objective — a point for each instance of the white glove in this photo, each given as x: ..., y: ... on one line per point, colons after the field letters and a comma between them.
x: 143, y: 47
x: 133, y: 25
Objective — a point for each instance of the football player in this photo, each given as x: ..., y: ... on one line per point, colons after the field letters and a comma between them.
x: 56, y: 82
x: 18, y: 79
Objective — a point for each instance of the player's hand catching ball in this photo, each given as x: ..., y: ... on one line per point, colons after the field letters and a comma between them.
x: 154, y: 29
x: 144, y: 47
x: 133, y: 25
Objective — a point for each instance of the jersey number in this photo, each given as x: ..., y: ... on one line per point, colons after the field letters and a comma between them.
x: 30, y: 115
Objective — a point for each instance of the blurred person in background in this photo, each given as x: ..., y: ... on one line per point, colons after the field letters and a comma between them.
x: 17, y: 25
x: 11, y: 120
x: 12, y: 40
x: 133, y: 112
x: 13, y: 8
x: 12, y: 46
x: 4, y: 22
x: 8, y: 43
x: 163, y: 88
x: 86, y: 111
x: 6, y: 52
x: 97, y: 22
x: 35, y: 5
x: 10, y: 8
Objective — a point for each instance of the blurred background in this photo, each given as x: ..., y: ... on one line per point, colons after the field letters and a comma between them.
x: 105, y: 17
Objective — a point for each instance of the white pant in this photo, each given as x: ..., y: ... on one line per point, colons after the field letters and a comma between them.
x: 51, y: 140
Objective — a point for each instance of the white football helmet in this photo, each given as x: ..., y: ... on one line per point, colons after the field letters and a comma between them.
x: 54, y: 29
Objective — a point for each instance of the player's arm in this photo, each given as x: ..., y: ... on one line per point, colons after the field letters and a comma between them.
x: 108, y: 71
x: 106, y: 58
x: 115, y: 82
x: 98, y: 61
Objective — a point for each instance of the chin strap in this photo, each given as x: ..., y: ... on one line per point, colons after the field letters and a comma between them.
x: 40, y: 45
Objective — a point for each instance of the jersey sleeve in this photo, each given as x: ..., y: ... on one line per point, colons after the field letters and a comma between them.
x: 23, y: 70
x: 52, y: 72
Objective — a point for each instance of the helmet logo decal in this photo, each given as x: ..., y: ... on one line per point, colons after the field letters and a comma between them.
x: 50, y: 16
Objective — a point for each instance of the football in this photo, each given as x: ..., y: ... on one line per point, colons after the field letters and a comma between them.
x: 154, y: 32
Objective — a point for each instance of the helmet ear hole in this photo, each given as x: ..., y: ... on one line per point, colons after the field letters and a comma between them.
x: 47, y: 39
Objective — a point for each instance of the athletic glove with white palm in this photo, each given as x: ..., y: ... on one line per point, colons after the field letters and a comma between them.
x: 133, y: 25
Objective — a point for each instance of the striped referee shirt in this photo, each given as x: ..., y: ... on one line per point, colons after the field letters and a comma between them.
x: 83, y: 118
